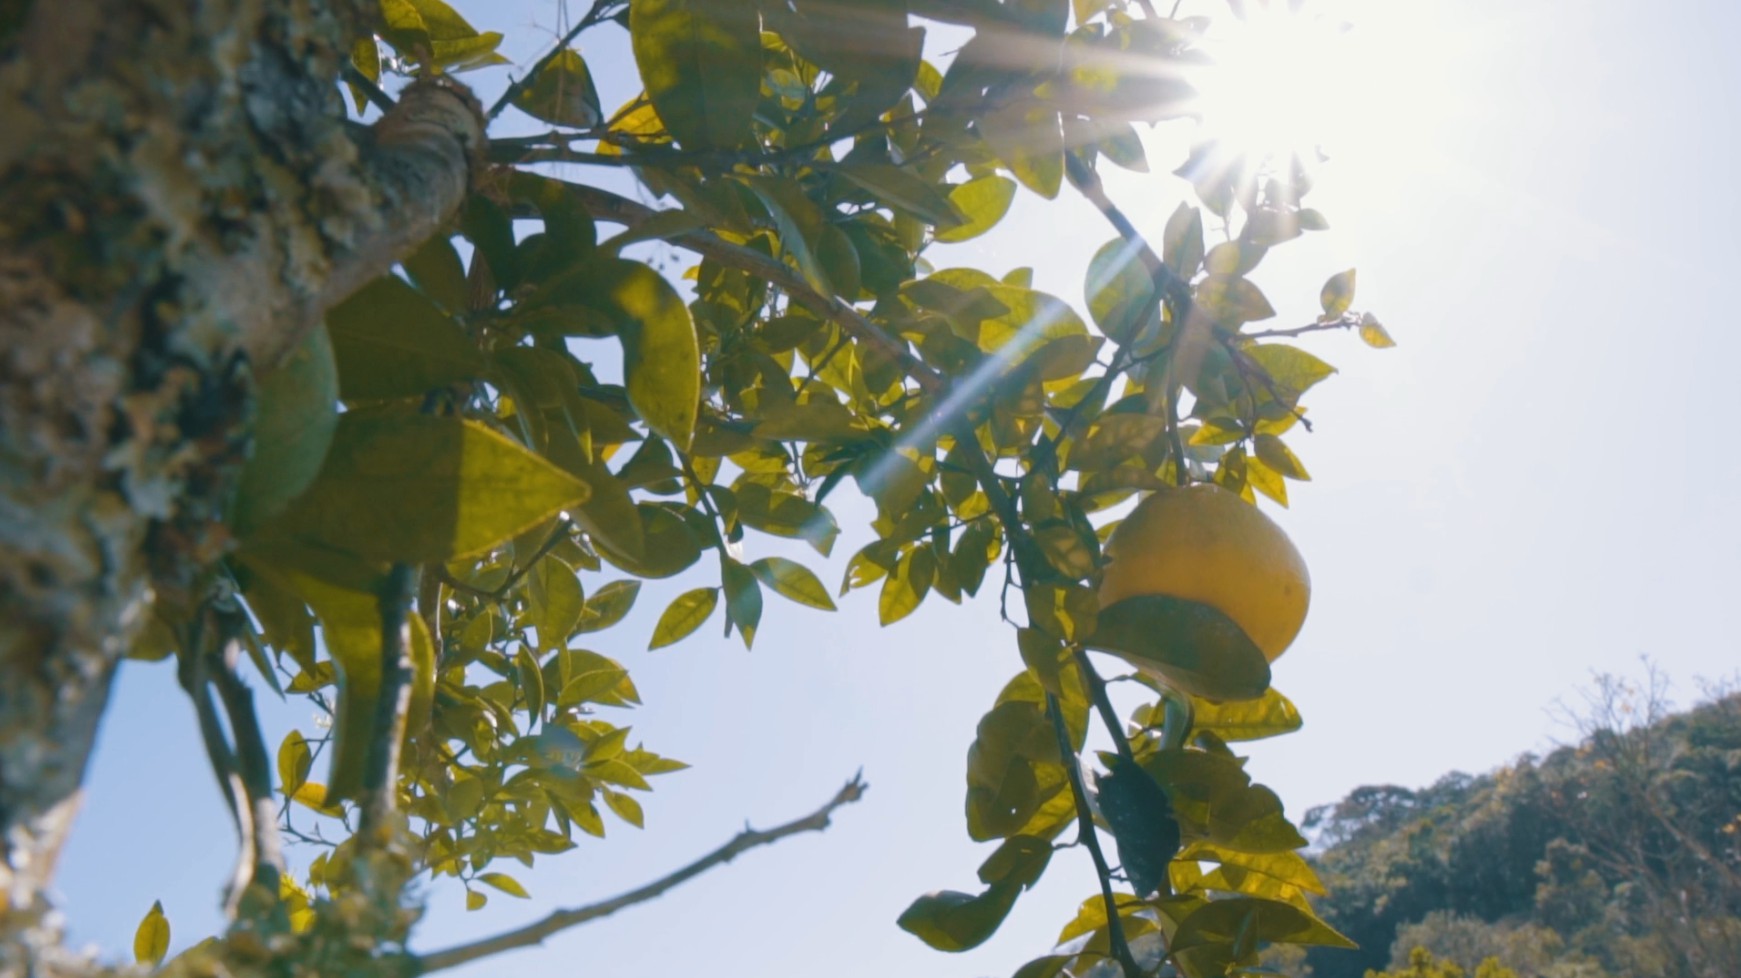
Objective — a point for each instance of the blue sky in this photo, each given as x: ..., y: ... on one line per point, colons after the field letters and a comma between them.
x: 1536, y: 483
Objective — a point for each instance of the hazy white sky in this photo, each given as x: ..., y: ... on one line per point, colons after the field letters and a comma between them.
x: 1541, y: 202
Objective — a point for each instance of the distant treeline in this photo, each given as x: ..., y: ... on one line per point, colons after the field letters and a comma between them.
x: 1619, y: 857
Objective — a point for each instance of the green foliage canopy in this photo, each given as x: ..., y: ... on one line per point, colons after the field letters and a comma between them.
x: 427, y: 492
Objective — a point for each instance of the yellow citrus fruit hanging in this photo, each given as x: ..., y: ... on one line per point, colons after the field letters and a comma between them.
x: 1205, y: 544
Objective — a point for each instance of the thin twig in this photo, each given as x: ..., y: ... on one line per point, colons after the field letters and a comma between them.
x: 593, y: 17
x: 535, y: 933
x: 1341, y: 322
x: 1102, y: 704
x: 371, y: 91
x: 1090, y: 839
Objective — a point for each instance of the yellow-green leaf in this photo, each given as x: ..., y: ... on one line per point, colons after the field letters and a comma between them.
x: 562, y: 93
x: 151, y: 940
x: 410, y: 487
x: 1029, y: 138
x: 391, y: 341
x: 475, y: 899
x: 1337, y: 294
x: 743, y: 598
x: 1275, y: 453
x: 984, y: 201
x: 502, y: 881
x: 293, y: 429
x: 557, y: 600
x: 684, y: 615
x: 792, y: 580
x: 1271, y: 715
x: 626, y: 807
x: 904, y: 191
x: 661, y: 357
x: 1373, y: 333
x: 701, y: 63
x: 294, y: 760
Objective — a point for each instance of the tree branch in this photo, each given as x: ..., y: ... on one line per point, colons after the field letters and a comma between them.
x: 1090, y: 839
x: 606, y: 206
x: 381, y: 770
x: 561, y: 920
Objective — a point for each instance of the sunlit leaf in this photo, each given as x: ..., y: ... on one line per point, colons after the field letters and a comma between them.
x: 562, y: 93
x: 418, y: 488
x: 502, y: 881
x: 1373, y: 333
x: 688, y: 612
x: 792, y: 580
x: 151, y: 939
x: 1337, y: 294
x: 391, y: 341
x: 984, y: 201
x: 701, y: 63
x: 1191, y: 645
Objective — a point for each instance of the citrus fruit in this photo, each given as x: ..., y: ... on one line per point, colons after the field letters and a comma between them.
x: 1202, y: 543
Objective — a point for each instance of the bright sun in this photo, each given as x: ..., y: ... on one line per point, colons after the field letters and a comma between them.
x: 1295, y: 78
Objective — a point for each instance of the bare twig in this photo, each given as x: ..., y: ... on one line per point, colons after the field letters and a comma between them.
x: 594, y: 16
x: 561, y: 920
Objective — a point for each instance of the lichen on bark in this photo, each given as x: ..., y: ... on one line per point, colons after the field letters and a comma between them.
x: 181, y: 199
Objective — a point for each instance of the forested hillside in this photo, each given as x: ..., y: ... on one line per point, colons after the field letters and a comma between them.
x: 1617, y: 857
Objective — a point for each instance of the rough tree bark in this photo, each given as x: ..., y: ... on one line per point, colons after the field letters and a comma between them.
x: 181, y: 198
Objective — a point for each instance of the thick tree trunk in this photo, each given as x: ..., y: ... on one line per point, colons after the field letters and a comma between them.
x: 180, y: 199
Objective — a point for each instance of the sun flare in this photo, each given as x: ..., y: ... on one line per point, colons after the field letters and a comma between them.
x: 1299, y: 79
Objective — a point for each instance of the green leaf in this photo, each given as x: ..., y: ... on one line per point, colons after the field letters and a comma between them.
x: 904, y: 191
x: 554, y: 592
x: 792, y: 580
x: 295, y: 759
x: 800, y: 224
x: 502, y: 881
x: 608, y: 605
x: 531, y: 681
x: 1049, y: 966
x: 669, y: 544
x: 1373, y: 333
x: 1271, y: 715
x: 475, y: 899
x: 952, y: 921
x: 151, y: 939
x: 293, y: 429
x: 907, y: 585
x: 984, y: 201
x: 1190, y: 645
x: 1289, y: 366
x: 1120, y: 293
x: 1277, y: 456
x: 626, y: 807
x: 701, y: 63
x: 410, y: 487
x: 1029, y: 139
x: 661, y: 356
x: 562, y: 93
x: 683, y: 616
x: 1223, y: 921
x: 391, y: 341
x: 1140, y: 816
x: 437, y: 272
x: 1337, y: 294
x: 743, y: 598
x: 1182, y: 242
